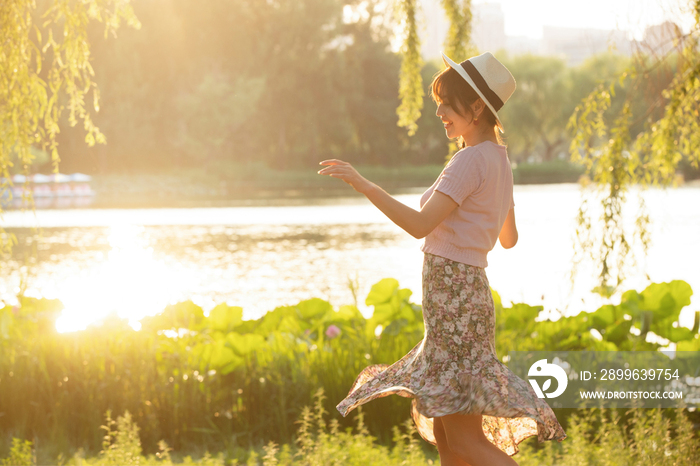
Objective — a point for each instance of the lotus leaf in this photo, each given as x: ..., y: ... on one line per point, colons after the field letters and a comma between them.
x: 185, y: 314
x: 382, y: 291
x: 312, y: 309
x: 223, y: 359
x: 225, y: 318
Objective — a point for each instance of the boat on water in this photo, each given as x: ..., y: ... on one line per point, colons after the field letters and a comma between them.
x: 56, y: 190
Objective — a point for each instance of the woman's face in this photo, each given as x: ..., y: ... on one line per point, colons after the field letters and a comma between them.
x: 455, y: 124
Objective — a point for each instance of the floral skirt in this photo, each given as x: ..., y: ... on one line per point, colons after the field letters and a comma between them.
x: 454, y: 369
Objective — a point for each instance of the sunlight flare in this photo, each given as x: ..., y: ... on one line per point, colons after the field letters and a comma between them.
x: 130, y: 283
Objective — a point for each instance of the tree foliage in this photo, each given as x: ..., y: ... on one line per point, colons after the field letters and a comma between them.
x: 619, y: 154
x: 45, y: 71
x: 548, y: 91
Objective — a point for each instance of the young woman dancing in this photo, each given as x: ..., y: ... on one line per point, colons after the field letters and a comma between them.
x: 465, y: 400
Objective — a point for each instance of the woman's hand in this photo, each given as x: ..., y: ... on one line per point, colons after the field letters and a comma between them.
x: 346, y: 172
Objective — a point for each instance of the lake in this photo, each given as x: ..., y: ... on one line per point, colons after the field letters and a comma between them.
x: 267, y: 253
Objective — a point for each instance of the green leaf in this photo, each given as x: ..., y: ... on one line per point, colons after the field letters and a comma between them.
x: 618, y: 332
x: 313, y: 308
x: 603, y: 317
x: 383, y: 314
x: 223, y: 359
x: 348, y: 312
x: 291, y: 324
x: 394, y: 328
x: 185, y: 314
x: 382, y: 291
x: 666, y: 300
x: 272, y: 320
x: 225, y: 318
x: 689, y: 345
x: 520, y: 316
x: 678, y: 334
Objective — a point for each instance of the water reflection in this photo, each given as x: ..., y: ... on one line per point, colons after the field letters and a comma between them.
x: 137, y: 270
x: 136, y: 261
x: 129, y: 282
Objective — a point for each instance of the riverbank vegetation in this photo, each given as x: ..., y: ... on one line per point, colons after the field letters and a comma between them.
x: 596, y: 437
x: 221, y: 384
x: 233, y: 181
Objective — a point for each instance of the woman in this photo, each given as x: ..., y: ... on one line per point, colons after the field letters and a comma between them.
x: 465, y: 400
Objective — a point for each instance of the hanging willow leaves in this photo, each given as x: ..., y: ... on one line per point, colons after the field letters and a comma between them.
x: 44, y: 71
x: 458, y: 44
x: 410, y: 82
x: 616, y: 159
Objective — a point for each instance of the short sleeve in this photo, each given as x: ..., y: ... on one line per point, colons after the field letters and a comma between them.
x: 462, y: 176
x: 512, y: 202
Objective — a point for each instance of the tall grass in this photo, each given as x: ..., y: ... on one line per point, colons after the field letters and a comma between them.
x: 596, y: 437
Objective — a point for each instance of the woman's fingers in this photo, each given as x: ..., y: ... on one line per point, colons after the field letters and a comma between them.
x: 332, y: 162
x: 331, y: 171
x: 336, y: 172
x: 345, y: 172
x: 335, y: 166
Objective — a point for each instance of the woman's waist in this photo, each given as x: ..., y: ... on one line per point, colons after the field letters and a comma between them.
x: 471, y: 257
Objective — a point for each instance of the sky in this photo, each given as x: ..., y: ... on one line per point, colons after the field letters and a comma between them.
x: 527, y: 17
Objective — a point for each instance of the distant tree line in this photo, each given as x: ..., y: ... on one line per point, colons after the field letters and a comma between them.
x: 220, y: 84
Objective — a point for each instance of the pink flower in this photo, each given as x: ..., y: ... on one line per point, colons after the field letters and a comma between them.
x: 332, y: 331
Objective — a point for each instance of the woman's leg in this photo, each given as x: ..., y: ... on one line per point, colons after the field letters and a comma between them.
x: 447, y: 456
x: 465, y: 437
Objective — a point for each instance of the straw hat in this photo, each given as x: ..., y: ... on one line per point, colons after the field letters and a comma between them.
x: 488, y: 77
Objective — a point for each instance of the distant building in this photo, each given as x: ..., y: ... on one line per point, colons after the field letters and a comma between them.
x: 521, y: 45
x: 488, y: 34
x: 433, y: 26
x: 577, y: 44
x: 488, y: 27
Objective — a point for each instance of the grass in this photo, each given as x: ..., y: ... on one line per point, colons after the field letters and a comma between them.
x: 596, y: 437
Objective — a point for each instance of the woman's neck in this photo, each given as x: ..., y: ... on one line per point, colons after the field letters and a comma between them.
x: 478, y: 138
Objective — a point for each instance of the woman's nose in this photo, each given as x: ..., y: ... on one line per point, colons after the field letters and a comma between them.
x: 439, y: 111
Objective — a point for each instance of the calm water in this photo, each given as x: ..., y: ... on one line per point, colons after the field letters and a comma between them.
x: 136, y: 261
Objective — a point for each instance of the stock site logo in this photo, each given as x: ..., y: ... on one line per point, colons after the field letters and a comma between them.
x: 542, y: 368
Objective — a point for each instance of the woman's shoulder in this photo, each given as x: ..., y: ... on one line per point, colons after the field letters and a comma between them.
x: 466, y: 154
x: 491, y: 147
x: 470, y: 155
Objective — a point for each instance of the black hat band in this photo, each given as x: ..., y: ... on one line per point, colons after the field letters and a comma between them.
x: 481, y: 85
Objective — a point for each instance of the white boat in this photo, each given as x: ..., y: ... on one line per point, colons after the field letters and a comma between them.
x: 48, y: 189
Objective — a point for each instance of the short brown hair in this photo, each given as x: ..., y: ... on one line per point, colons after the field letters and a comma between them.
x: 450, y: 88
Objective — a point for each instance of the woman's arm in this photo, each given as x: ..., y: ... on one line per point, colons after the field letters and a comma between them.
x: 416, y: 223
x: 509, y: 234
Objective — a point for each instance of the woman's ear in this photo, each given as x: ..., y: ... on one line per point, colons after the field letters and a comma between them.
x: 478, y: 107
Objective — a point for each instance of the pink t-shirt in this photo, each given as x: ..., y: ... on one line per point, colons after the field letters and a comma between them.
x: 479, y: 178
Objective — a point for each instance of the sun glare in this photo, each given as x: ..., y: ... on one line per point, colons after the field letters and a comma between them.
x: 130, y: 283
